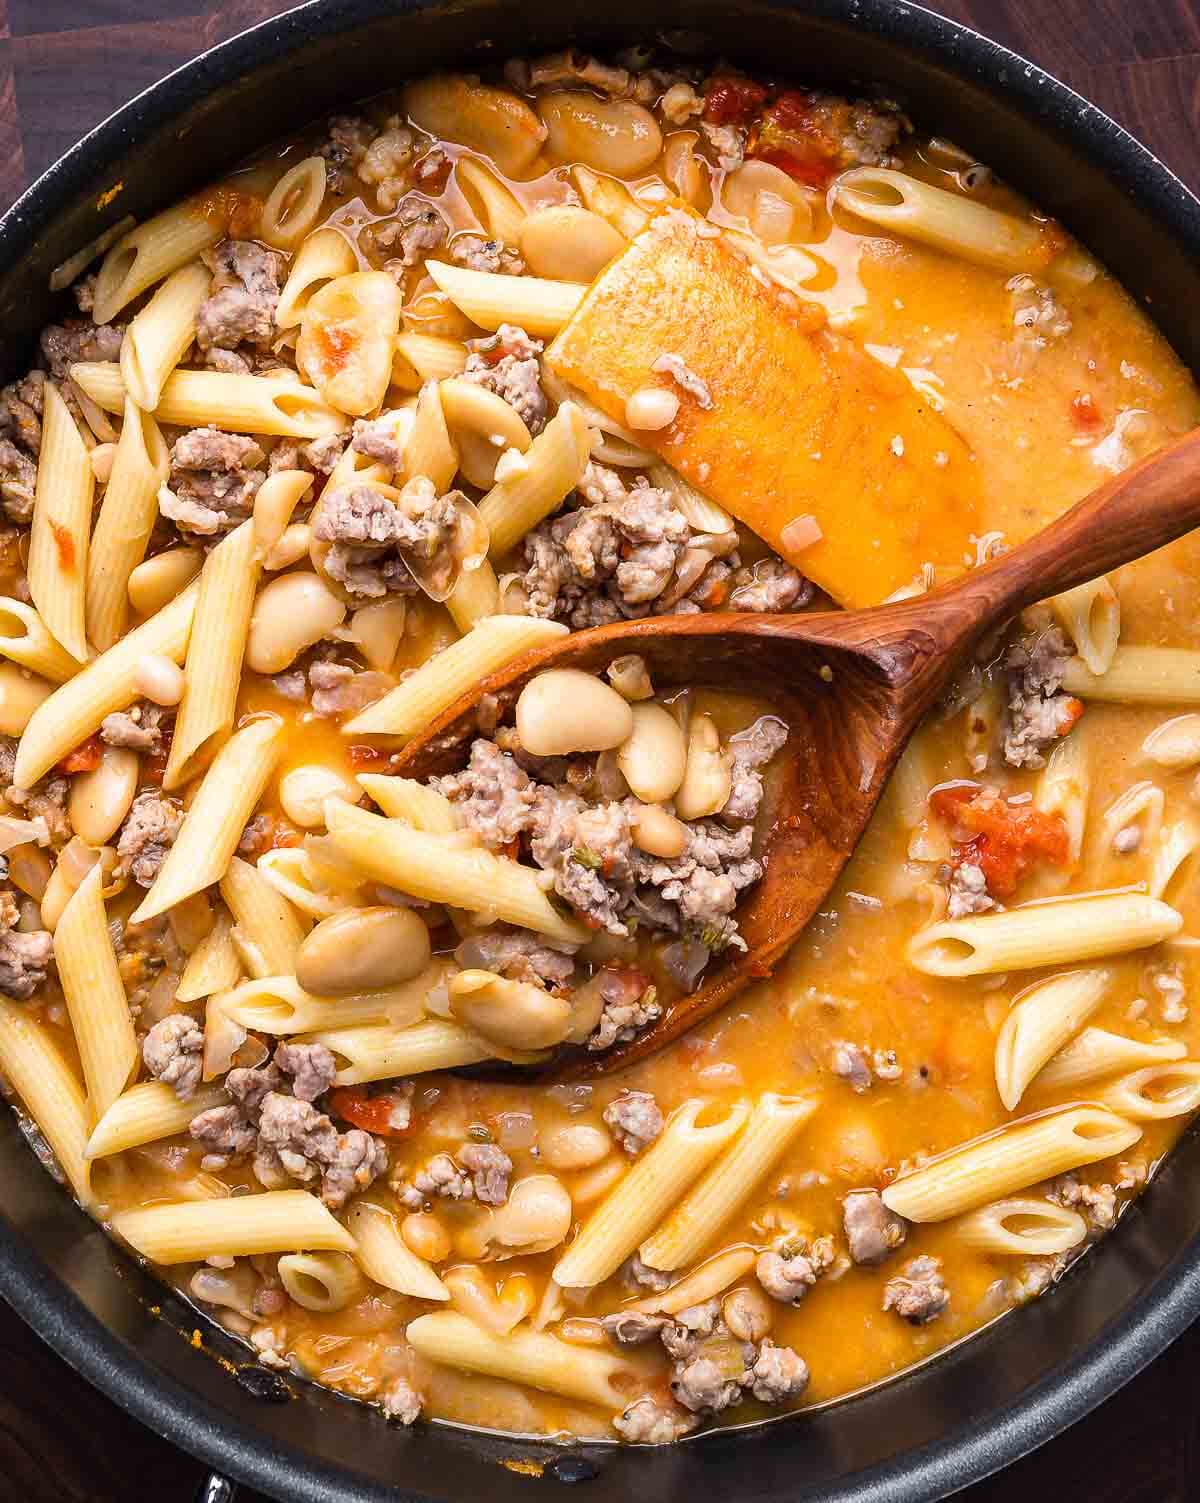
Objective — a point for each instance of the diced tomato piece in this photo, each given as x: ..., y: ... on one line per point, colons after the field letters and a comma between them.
x: 1084, y: 412
x: 85, y: 757
x: 368, y: 758
x: 789, y: 137
x: 388, y: 1113
x: 733, y: 101
x: 1005, y: 840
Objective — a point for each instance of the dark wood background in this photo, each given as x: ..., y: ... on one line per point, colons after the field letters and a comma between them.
x: 64, y: 65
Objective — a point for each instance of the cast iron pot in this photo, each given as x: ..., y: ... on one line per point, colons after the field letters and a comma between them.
x: 941, y: 1426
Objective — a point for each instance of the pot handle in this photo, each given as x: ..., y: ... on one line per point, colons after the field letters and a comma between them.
x: 216, y: 1489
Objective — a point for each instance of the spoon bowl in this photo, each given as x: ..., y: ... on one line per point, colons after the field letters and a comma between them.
x: 851, y: 686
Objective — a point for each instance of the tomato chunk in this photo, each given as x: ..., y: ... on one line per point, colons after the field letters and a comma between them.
x: 85, y: 757
x: 792, y: 137
x: 387, y: 1113
x: 1005, y: 840
x: 733, y: 101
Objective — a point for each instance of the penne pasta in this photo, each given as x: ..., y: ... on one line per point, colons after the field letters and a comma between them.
x: 699, y: 1217
x: 1090, y: 615
x: 702, y: 514
x: 382, y: 1052
x: 1139, y: 676
x: 74, y: 266
x: 96, y: 1001
x: 147, y: 1113
x: 497, y: 208
x: 239, y: 1227
x: 268, y: 929
x: 1097, y: 1053
x: 294, y: 205
x: 291, y: 874
x: 213, y: 966
x: 1022, y: 1226
x: 960, y: 226
x: 324, y: 255
x: 152, y: 251
x: 1011, y: 1159
x: 126, y: 520
x: 432, y: 358
x: 1064, y: 788
x: 216, y: 647
x: 555, y: 463
x: 612, y: 200
x: 1040, y: 934
x: 30, y: 1061
x: 321, y: 1281
x: 1154, y: 1092
x: 214, y: 821
x: 25, y: 639
x: 425, y: 866
x: 476, y: 595
x: 1174, y: 744
x: 490, y: 299
x: 62, y: 521
x: 1041, y: 1021
x: 410, y: 706
x: 228, y: 400
x: 523, y: 1356
x: 415, y: 803
x: 710, y: 1279
x: 385, y: 1257
x: 158, y: 337
x: 280, y: 1005
x: 74, y: 711
x: 1171, y: 859
x: 646, y: 1193
x: 429, y: 449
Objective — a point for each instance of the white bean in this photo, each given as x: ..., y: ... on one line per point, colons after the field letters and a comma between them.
x: 425, y: 1235
x: 536, y: 1217
x: 567, y: 243
x: 304, y: 789
x: 492, y: 121
x: 99, y: 800
x: 579, y: 1145
x: 159, y: 678
x: 771, y: 202
x: 512, y: 1015
x: 658, y: 833
x: 290, y: 614
x: 20, y: 694
x: 609, y: 135
x: 565, y: 710
x: 655, y: 756
x: 651, y: 408
x: 362, y: 950
x: 708, y: 781
x: 158, y: 580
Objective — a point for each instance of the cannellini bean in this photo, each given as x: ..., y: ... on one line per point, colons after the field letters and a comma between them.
x: 102, y: 457
x: 536, y: 1217
x: 772, y: 203
x: 658, y: 833
x: 347, y: 337
x: 158, y: 580
x: 362, y: 950
x: 159, y: 678
x: 565, y: 710
x: 425, y: 1235
x: 508, y: 1014
x: 651, y: 408
x: 304, y: 789
x: 747, y: 1313
x: 99, y: 800
x: 609, y: 135
x: 290, y: 614
x: 20, y: 694
x: 708, y: 781
x: 491, y: 121
x: 629, y: 677
x: 655, y: 756
x: 567, y: 243
x: 579, y: 1145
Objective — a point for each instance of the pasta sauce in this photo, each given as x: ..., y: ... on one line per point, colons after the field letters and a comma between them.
x: 320, y: 452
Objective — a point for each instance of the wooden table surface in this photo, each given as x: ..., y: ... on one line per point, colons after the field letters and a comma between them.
x: 64, y: 65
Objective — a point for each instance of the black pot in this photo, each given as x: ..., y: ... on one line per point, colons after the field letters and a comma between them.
x: 961, y: 1415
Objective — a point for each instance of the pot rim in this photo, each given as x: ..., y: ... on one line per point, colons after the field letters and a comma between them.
x: 981, y: 1446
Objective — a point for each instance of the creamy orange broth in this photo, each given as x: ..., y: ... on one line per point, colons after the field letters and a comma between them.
x: 950, y: 322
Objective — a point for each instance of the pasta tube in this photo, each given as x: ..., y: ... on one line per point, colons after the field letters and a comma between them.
x: 415, y: 803
x: 214, y: 822
x: 127, y: 517
x: 1091, y: 617
x: 321, y: 1281
x: 240, y: 1227
x: 1155, y: 1092
x: 25, y: 639
x: 386, y: 1258
x: 1014, y: 1158
x: 710, y: 1279
x: 213, y: 966
x: 294, y: 205
x: 1139, y: 676
x: 158, y: 337
x: 1064, y: 788
x: 408, y: 708
x: 476, y: 594
x: 325, y: 254
x: 490, y: 299
x: 553, y: 466
x: 91, y: 983
x: 269, y: 930
x: 1097, y: 1053
x: 50, y: 1092
x: 431, y: 357
x: 702, y: 1213
x: 1174, y: 744
x: 152, y: 251
x: 379, y: 1053
x: 1041, y: 1021
x: 1022, y: 1226
x: 279, y: 1004
x: 213, y: 672
x: 73, y: 712
x: 424, y: 866
x: 532, y: 1357
x: 62, y: 521
x: 228, y: 400
x: 1039, y: 934
x: 146, y: 1113
x: 652, y: 1186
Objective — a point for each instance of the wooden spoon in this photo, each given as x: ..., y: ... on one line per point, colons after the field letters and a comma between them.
x: 852, y: 686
